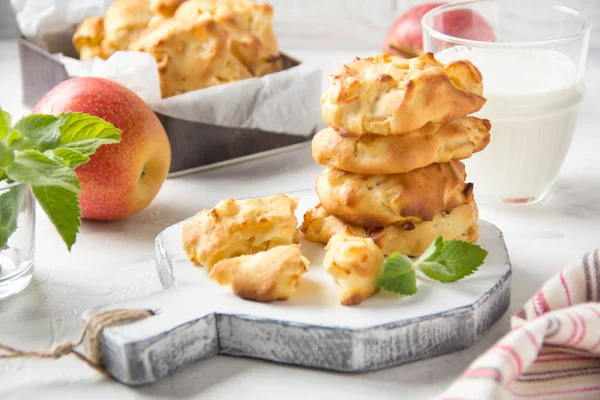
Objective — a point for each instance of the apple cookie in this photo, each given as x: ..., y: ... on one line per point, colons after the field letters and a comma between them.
x: 191, y: 56
x: 88, y: 38
x: 376, y: 200
x: 409, y: 239
x: 397, y: 154
x: 165, y: 8
x: 355, y: 263
x: 387, y: 94
x: 240, y: 227
x: 265, y: 276
x: 196, y: 43
x: 249, y: 24
x: 124, y: 22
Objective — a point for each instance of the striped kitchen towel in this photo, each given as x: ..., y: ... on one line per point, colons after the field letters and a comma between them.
x: 553, y: 349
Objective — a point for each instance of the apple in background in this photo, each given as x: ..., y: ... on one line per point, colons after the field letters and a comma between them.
x: 120, y: 179
x: 405, y: 36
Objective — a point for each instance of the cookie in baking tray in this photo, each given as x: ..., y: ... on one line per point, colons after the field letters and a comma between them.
x: 191, y: 56
x: 249, y: 24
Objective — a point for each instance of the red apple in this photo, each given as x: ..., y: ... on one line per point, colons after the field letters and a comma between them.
x: 120, y: 179
x: 405, y: 36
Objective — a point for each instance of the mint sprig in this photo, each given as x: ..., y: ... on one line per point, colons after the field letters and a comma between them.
x: 443, y: 261
x: 76, y: 131
x: 42, y: 151
x: 70, y: 158
x: 451, y: 260
x: 398, y: 275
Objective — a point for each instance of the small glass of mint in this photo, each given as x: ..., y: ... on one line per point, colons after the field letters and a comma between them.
x: 17, y: 217
x: 38, y: 157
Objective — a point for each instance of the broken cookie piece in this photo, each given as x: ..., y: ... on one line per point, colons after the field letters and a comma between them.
x: 239, y: 227
x: 355, y: 263
x: 265, y: 276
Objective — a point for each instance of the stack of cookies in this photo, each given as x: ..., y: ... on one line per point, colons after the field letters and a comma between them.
x: 397, y: 130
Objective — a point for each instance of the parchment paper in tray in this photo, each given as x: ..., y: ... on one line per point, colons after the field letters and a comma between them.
x: 285, y: 102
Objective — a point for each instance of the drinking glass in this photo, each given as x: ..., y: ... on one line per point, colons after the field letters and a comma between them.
x: 532, y: 56
x: 17, y: 221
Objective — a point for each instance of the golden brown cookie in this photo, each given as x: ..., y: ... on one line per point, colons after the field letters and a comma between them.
x: 387, y: 94
x: 409, y: 239
x: 265, y: 276
x: 240, y: 227
x: 396, y: 154
x: 124, y: 22
x: 165, y: 8
x: 196, y: 43
x: 191, y: 56
x: 250, y: 27
x: 88, y: 38
x: 375, y: 200
x: 355, y: 263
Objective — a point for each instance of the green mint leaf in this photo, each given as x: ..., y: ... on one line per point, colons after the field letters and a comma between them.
x: 80, y: 132
x: 432, y: 252
x: 398, y: 275
x: 55, y: 187
x: 439, y: 272
x: 455, y: 260
x: 39, y: 131
x: 70, y: 158
x: 15, y: 140
x: 9, y: 212
x: 48, y: 149
x: 62, y: 207
x: 85, y: 133
x: 37, y: 169
x: 5, y: 121
x: 6, y: 155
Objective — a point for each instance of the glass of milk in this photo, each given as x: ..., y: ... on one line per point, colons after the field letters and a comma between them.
x: 532, y: 56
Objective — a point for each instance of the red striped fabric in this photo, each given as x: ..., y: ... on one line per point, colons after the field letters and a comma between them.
x: 553, y: 348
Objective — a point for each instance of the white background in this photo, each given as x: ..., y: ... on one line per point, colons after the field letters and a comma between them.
x: 348, y: 24
x: 337, y: 24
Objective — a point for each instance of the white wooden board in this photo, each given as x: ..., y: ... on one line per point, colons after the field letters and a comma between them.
x: 197, y: 318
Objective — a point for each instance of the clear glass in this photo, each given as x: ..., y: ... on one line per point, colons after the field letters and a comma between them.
x: 16, y: 257
x: 532, y: 56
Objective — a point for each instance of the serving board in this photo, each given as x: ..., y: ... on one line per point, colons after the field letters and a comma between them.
x: 196, y: 318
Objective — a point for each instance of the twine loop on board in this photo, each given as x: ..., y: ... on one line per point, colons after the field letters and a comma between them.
x: 92, y: 330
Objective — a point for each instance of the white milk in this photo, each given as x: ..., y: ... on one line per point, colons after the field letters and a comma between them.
x: 532, y: 95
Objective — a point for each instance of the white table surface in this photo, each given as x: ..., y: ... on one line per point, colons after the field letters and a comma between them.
x: 114, y: 261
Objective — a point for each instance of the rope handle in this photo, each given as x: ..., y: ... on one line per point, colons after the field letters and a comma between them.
x: 93, y: 330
